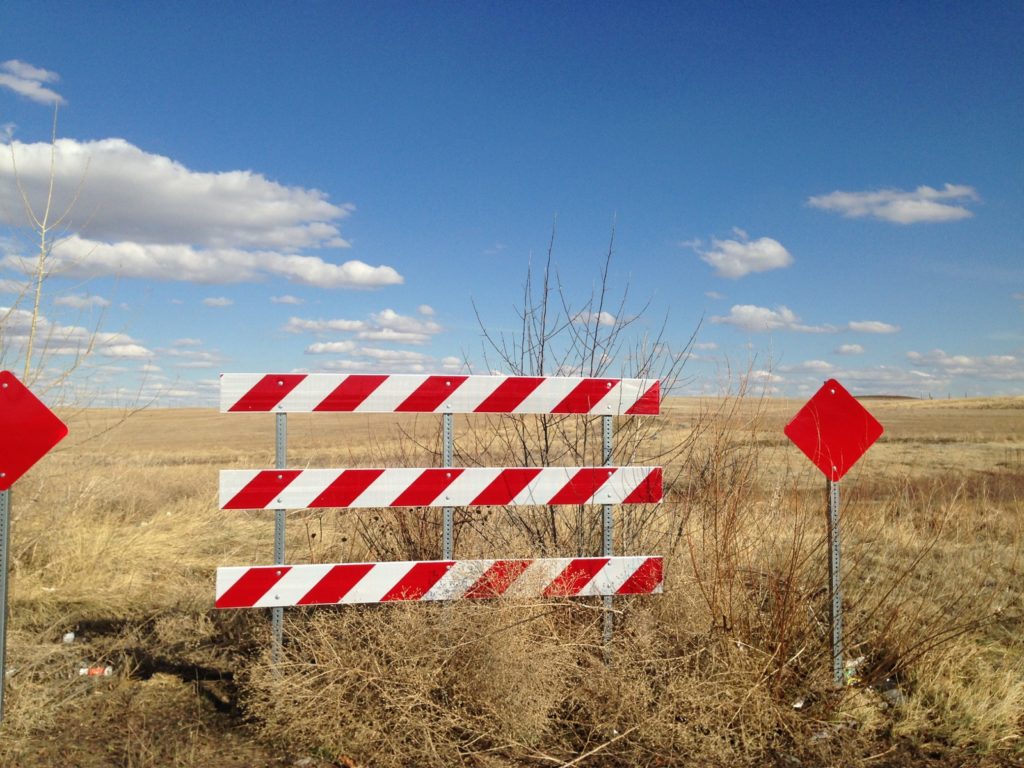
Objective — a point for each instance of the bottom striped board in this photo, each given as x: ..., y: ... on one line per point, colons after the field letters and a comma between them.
x: 272, y: 586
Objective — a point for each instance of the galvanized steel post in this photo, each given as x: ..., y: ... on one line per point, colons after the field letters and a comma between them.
x: 447, y: 544
x: 606, y: 524
x: 5, y: 535
x: 277, y: 614
x: 835, y: 592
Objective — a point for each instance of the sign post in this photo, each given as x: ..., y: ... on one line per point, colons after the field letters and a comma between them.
x: 29, y: 430
x: 834, y: 431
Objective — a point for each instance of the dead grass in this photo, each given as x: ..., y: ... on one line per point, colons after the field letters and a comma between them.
x: 117, y: 538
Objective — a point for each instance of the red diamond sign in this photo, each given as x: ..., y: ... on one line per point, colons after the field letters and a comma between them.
x: 28, y: 429
x: 833, y: 430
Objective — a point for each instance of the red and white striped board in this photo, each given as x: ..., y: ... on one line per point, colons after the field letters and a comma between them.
x: 402, y: 393
x: 272, y: 586
x: 444, y: 487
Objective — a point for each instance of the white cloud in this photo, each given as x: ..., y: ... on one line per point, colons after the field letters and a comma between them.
x: 713, y: 295
x: 148, y: 216
x: 993, y: 367
x: 331, y: 348
x: 26, y: 80
x: 218, y: 301
x: 590, y: 318
x: 189, y: 355
x: 392, y: 336
x: 187, y: 342
x: 924, y: 204
x: 872, y: 326
x: 79, y: 257
x: 302, y: 325
x: 81, y: 301
x: 809, y: 366
x: 426, y: 310
x: 286, y: 299
x: 384, y: 326
x: 452, y: 363
x: 735, y: 258
x: 391, y: 356
x: 762, y: 319
x: 1018, y: 296
x: 705, y: 345
x: 55, y: 339
x: 12, y: 286
x: 849, y: 349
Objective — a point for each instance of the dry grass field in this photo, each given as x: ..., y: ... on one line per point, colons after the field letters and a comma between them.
x: 116, y: 535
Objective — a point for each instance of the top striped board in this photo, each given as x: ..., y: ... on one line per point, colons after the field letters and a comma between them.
x: 406, y: 393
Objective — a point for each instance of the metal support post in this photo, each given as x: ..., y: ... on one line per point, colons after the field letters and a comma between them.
x: 834, y: 591
x: 5, y: 536
x: 277, y: 614
x: 448, y: 524
x: 606, y: 524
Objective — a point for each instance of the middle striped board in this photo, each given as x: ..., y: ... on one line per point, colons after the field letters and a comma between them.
x: 273, y: 586
x: 438, y: 487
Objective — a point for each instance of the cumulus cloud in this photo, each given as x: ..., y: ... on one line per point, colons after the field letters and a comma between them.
x: 809, y: 366
x: 189, y: 355
x: 924, y: 204
x: 735, y: 258
x: 81, y: 301
x: 762, y: 319
x: 27, y: 80
x: 56, y: 339
x: 303, y: 325
x: 756, y: 319
x: 592, y: 318
x: 849, y: 349
x: 331, y: 347
x: 145, y: 215
x: 79, y: 257
x: 426, y: 310
x: 286, y: 299
x: 993, y: 367
x: 872, y: 326
x: 384, y: 326
x: 218, y: 301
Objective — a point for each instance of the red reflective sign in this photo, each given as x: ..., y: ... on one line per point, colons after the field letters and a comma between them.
x: 28, y: 429
x: 833, y: 430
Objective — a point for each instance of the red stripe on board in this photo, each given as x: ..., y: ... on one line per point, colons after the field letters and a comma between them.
x: 496, y: 579
x: 644, y: 580
x: 430, y: 394
x: 346, y: 488
x: 649, y: 491
x: 649, y: 403
x: 260, y: 492
x: 252, y: 585
x: 418, y: 581
x: 585, y: 396
x: 582, y: 486
x: 351, y: 393
x: 505, y: 487
x: 575, y: 577
x: 268, y: 392
x: 509, y: 394
x: 335, y: 584
x: 427, y: 487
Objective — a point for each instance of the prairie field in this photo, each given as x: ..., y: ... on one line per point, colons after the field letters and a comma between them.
x: 115, y: 537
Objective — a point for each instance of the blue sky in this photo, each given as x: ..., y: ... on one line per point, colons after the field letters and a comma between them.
x: 826, y: 190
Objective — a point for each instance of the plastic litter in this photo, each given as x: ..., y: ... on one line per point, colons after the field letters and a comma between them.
x: 97, y: 671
